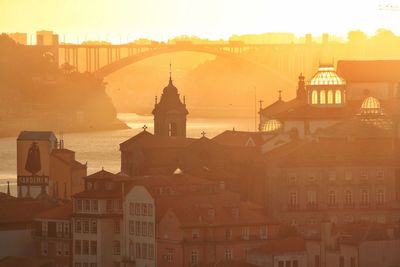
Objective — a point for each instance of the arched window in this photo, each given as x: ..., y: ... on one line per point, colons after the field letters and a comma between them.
x: 314, y: 97
x: 338, y: 97
x: 330, y: 97
x: 348, y: 198
x: 322, y: 97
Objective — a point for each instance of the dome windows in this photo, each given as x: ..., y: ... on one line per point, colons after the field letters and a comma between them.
x: 272, y: 125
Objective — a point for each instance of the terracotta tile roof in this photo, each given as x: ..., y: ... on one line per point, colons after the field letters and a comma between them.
x: 25, y: 262
x: 369, y: 70
x: 312, y: 112
x: 241, y: 139
x: 282, y: 246
x: 147, y: 140
x: 102, y: 175
x: 280, y: 106
x: 22, y: 210
x: 61, y: 212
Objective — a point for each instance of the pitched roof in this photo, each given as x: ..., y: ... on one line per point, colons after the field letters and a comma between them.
x: 36, y: 135
x: 369, y: 70
x: 281, y: 246
x: 241, y: 138
x: 61, y: 212
x: 145, y: 139
x: 22, y: 210
x: 280, y: 106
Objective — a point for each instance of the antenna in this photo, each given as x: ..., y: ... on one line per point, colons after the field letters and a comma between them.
x: 255, y: 108
x: 170, y: 70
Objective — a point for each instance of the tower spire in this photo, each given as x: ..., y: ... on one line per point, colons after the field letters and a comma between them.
x: 170, y: 71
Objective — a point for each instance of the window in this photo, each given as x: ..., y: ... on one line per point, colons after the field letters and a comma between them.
x: 228, y: 254
x: 138, y: 254
x: 194, y: 259
x: 292, y: 177
x: 322, y: 97
x: 341, y: 261
x: 66, y: 228
x: 85, y: 247
x: 380, y: 197
x: 44, y: 226
x: 281, y: 264
x: 365, y: 197
x: 117, y: 247
x: 137, y: 209
x: 338, y: 97
x: 59, y: 229
x: 66, y: 249
x: 144, y: 228
x: 131, y: 208
x: 263, y: 232
x: 86, y: 204
x: 44, y: 248
x: 78, y: 226
x: 330, y: 97
x: 295, y: 263
x: 93, y: 264
x: 137, y: 228
x: 293, y: 199
x: 59, y: 248
x: 86, y: 226
x: 288, y: 264
x: 144, y: 209
x: 169, y: 256
x: 78, y: 204
x: 93, y: 227
x: 245, y: 233
x: 364, y: 175
x: 131, y: 227
x: 85, y: 264
x: 78, y: 247
x: 117, y: 227
x: 195, y: 234
x: 380, y: 174
x: 78, y: 264
x: 151, y: 229
x: 228, y: 234
x: 314, y: 97
x: 131, y: 250
x: 95, y: 205
x: 150, y: 210
x: 151, y: 251
x: 332, y: 198
x: 93, y: 247
x: 348, y: 175
x: 109, y: 206
x: 312, y: 197
x: 144, y: 251
x: 348, y: 198
x: 119, y: 204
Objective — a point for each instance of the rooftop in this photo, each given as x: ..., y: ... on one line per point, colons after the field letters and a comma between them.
x: 36, y: 135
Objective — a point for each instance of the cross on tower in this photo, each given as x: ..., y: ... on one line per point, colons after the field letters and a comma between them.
x: 144, y: 127
x: 260, y: 101
x: 203, y: 133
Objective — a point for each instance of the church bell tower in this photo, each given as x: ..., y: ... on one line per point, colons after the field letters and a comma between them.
x: 170, y: 113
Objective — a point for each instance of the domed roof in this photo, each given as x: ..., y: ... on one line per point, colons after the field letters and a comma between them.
x: 326, y: 75
x: 170, y: 88
x: 371, y: 105
x: 271, y: 125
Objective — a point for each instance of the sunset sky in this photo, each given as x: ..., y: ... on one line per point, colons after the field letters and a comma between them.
x: 161, y: 19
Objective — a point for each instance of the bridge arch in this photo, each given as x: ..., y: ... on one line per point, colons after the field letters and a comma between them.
x: 126, y: 61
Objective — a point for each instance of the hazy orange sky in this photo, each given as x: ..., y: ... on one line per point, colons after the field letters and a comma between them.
x: 116, y: 20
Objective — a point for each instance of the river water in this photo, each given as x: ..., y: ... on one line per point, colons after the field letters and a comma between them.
x: 101, y: 149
